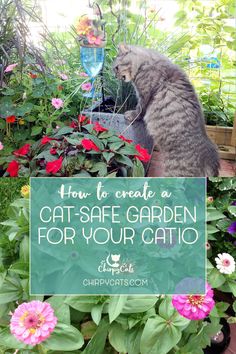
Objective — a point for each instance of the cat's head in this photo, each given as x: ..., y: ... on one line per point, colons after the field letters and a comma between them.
x: 126, y: 63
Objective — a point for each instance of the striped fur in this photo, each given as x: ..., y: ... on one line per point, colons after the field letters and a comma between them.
x: 171, y: 110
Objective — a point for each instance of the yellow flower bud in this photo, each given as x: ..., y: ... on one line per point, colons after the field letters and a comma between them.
x: 25, y: 191
x: 21, y: 121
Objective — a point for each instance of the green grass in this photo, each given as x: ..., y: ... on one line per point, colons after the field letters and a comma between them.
x: 9, y: 191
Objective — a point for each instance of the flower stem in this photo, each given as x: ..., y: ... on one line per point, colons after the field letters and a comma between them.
x: 41, y: 350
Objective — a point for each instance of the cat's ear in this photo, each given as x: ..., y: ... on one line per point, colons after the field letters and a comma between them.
x: 124, y: 48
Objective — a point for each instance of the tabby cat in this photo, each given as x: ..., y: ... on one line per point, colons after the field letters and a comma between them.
x: 171, y: 110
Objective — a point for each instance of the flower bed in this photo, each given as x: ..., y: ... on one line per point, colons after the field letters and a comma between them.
x: 127, y: 324
x: 81, y: 149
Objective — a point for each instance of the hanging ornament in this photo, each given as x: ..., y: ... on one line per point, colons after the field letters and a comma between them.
x: 91, y: 36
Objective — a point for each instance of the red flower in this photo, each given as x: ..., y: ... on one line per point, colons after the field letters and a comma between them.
x: 46, y: 140
x: 89, y: 145
x: 53, y: 151
x: 73, y: 124
x: 143, y: 154
x: 13, y: 168
x: 11, y: 119
x: 124, y: 139
x: 22, y: 151
x: 54, y: 166
x: 81, y: 118
x: 33, y: 76
x: 99, y: 128
x: 60, y: 88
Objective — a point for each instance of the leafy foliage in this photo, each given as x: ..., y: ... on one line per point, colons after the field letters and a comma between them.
x: 81, y: 151
x: 105, y: 324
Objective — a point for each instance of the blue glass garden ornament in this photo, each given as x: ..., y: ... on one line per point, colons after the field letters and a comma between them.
x: 214, y: 63
x: 92, y: 59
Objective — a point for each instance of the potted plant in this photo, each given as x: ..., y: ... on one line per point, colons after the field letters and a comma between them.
x: 82, y: 149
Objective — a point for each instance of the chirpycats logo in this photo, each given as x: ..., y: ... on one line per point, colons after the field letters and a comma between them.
x: 113, y: 265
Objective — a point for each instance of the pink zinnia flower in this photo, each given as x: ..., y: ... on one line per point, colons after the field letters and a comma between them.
x: 63, y: 76
x: 1, y: 146
x: 87, y: 86
x: 83, y: 74
x: 57, y: 103
x: 10, y: 68
x: 194, y: 307
x: 94, y: 40
x: 33, y: 322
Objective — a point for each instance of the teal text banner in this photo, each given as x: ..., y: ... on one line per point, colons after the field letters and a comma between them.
x: 117, y: 236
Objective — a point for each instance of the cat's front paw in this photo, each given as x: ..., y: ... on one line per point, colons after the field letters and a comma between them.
x: 131, y: 115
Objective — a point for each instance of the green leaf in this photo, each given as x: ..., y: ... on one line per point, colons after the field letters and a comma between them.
x: 88, y: 127
x: 214, y: 214
x: 166, y: 310
x: 219, y: 309
x: 65, y: 338
x: 82, y: 173
x: 115, y: 146
x: 6, y: 108
x: 62, y: 310
x: 107, y: 134
x: 36, y: 130
x: 10, y: 290
x: 63, y: 131
x: 136, y: 304
x: 115, y: 307
x: 211, y: 229
x: 100, y: 167
x: 232, y: 210
x: 73, y: 141
x: 98, y: 341
x: 133, y: 338
x: 138, y: 169
x: 82, y: 303
x: 21, y: 268
x: 111, y: 175
x: 46, y: 155
x: 169, y: 313
x: 234, y: 306
x: 24, y: 249
x: 231, y: 44
x: 215, y: 278
x: 9, y: 341
x: 232, y: 286
x: 117, y: 338
x: 108, y: 156
x: 124, y: 160
x: 159, y: 336
x: 24, y: 109
x: 128, y: 149
x: 96, y: 313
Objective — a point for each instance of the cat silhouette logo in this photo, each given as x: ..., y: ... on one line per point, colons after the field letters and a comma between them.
x: 115, y: 258
x: 113, y: 265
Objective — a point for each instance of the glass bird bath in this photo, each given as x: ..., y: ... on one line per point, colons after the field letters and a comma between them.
x: 92, y: 59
